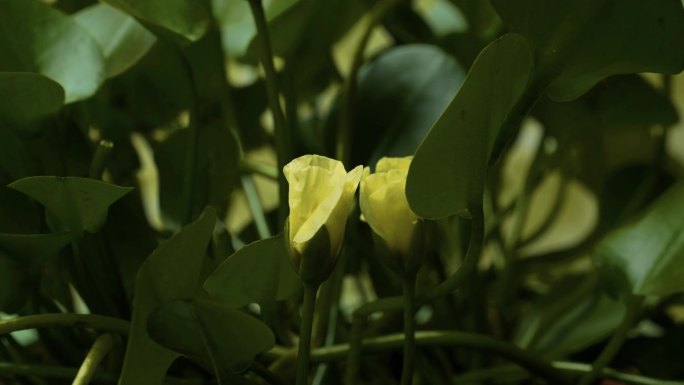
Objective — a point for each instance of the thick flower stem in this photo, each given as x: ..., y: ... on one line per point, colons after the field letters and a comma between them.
x: 303, y: 358
x: 409, y: 330
x: 93, y: 321
x: 102, y: 346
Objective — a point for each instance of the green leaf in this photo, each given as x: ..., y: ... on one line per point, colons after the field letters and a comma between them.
x: 187, y: 18
x: 205, y: 329
x: 449, y: 165
x: 619, y: 102
x: 172, y: 272
x: 260, y: 272
x: 576, y: 43
x: 647, y: 256
x: 35, y: 37
x: 122, y: 39
x: 27, y: 97
x: 400, y: 96
x: 76, y: 204
x: 29, y: 248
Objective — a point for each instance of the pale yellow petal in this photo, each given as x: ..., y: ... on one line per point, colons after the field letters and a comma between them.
x: 387, y: 164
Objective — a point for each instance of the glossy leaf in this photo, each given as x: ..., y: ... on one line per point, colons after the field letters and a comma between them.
x: 450, y: 163
x: 400, y: 96
x: 28, y: 96
x: 76, y: 204
x: 647, y: 256
x: 578, y: 42
x: 260, y: 272
x: 172, y: 272
x: 229, y: 338
x: 122, y: 39
x: 35, y: 37
x: 186, y: 18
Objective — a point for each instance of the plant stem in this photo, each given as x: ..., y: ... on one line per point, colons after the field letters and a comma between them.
x: 409, y: 330
x: 49, y: 371
x: 259, y: 168
x: 282, y: 136
x: 305, y: 327
x: 435, y: 338
x: 189, y: 177
x: 97, y: 353
x: 255, y: 206
x: 97, y: 165
x: 355, y: 346
x: 633, y: 304
x: 346, y: 119
x: 92, y: 321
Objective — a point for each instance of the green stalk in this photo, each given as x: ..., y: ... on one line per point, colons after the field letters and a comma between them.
x: 91, y: 321
x: 190, y: 176
x: 263, y: 169
x: 305, y: 327
x: 48, y: 372
x: 476, y: 342
x: 97, y: 165
x: 255, y: 206
x: 355, y: 346
x: 634, y: 304
x: 282, y: 136
x: 409, y: 330
x: 102, y: 346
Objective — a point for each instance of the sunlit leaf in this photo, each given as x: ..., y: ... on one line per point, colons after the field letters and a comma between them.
x: 578, y: 42
x: 647, y: 256
x: 35, y: 37
x: 76, y: 204
x: 172, y: 272
x: 260, y: 272
x: 122, y: 39
x: 450, y: 163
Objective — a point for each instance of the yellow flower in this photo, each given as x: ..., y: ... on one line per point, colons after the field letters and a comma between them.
x: 385, y: 207
x: 320, y: 196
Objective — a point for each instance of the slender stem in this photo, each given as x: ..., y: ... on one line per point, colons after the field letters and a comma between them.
x: 189, y: 178
x: 255, y: 206
x: 409, y: 284
x: 634, y: 304
x: 97, y: 165
x: 265, y: 374
x: 91, y: 321
x: 305, y: 327
x: 355, y: 346
x: 282, y: 136
x: 49, y: 371
x: 346, y: 120
x: 102, y: 346
x: 434, y: 338
x: 259, y: 168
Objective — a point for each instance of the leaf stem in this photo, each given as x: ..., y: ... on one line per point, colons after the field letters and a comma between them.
x: 97, y: 165
x: 634, y: 305
x: 259, y: 168
x: 304, y: 354
x: 255, y: 206
x: 49, y: 371
x: 92, y: 321
x: 102, y: 346
x: 409, y: 286
x: 282, y: 136
x: 448, y: 338
x: 346, y: 118
x: 189, y: 177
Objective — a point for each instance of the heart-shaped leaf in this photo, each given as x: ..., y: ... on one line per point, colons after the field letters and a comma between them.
x: 450, y: 163
x: 122, y: 39
x: 172, y: 272
x: 35, y: 37
x: 75, y: 204
x: 576, y: 43
x: 260, y: 272
x: 647, y: 256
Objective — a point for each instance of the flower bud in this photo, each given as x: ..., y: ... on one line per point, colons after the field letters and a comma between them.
x: 320, y: 196
x: 398, y: 232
